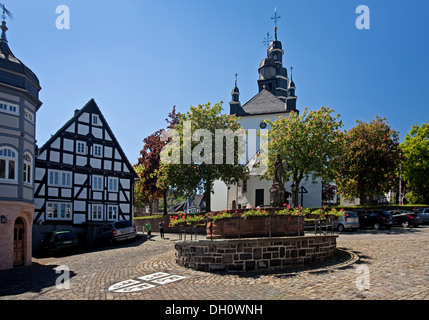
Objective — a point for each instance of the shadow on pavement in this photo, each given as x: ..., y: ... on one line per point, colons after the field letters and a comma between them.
x: 30, y: 279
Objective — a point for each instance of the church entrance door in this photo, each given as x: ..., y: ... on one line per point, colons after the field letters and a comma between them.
x: 259, y: 197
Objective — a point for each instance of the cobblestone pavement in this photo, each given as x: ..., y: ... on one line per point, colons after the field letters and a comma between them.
x: 397, y: 262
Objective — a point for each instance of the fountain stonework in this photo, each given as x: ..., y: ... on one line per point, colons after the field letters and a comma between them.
x: 256, y: 243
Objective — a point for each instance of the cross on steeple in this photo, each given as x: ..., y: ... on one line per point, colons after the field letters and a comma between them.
x: 275, y: 18
x: 236, y: 75
x: 5, y: 12
x: 267, y: 40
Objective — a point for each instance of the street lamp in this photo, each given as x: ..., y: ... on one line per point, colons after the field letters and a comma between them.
x: 3, y: 219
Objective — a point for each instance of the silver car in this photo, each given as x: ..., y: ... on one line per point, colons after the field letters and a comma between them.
x: 350, y: 221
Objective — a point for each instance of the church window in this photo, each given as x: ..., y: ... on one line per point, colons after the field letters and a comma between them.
x: 8, y: 168
x: 244, y: 186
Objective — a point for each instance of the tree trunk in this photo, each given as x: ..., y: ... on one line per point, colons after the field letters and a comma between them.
x: 296, y: 195
x: 164, y: 196
x: 207, y: 195
x: 362, y: 197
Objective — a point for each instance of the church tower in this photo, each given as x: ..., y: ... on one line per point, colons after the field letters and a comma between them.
x: 235, y: 105
x: 273, y: 79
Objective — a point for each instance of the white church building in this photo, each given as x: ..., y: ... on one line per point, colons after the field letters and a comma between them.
x: 276, y: 97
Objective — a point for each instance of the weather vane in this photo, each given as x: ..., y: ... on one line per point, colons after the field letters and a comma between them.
x: 236, y: 75
x: 275, y: 17
x: 5, y: 12
x: 267, y: 40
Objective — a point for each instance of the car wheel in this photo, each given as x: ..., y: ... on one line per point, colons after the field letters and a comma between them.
x: 340, y: 228
x: 405, y: 224
x: 376, y: 226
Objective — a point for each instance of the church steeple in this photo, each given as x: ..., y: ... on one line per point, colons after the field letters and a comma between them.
x: 292, y: 98
x: 3, y: 27
x: 235, y: 105
x: 272, y: 74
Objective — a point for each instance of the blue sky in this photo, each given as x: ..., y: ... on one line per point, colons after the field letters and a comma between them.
x: 138, y: 59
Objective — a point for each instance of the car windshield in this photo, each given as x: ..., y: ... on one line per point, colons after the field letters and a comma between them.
x: 65, y: 236
x: 123, y: 224
x: 351, y: 214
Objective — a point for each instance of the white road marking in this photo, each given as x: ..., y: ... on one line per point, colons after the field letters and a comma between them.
x: 134, y: 285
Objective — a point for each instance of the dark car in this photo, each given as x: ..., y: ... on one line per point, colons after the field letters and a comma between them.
x: 376, y: 219
x: 424, y: 214
x: 113, y: 232
x: 406, y: 218
x: 59, y: 241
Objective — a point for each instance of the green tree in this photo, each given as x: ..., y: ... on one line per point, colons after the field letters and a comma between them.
x: 415, y: 167
x: 370, y: 161
x: 195, y: 162
x: 309, y: 145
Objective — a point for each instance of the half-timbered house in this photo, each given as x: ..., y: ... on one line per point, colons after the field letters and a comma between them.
x: 83, y: 178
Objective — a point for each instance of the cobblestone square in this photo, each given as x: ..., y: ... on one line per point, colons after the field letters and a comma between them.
x: 396, y: 262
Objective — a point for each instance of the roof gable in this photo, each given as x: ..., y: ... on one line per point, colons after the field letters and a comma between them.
x: 264, y: 103
x: 91, y: 108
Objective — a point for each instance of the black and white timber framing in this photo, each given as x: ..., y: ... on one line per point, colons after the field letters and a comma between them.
x: 82, y: 174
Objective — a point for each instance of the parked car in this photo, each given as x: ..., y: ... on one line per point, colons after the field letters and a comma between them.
x: 113, y: 232
x: 350, y: 221
x: 424, y: 214
x: 59, y: 241
x: 405, y: 218
x: 376, y: 219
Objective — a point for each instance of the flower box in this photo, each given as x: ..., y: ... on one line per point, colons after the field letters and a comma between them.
x: 257, y: 226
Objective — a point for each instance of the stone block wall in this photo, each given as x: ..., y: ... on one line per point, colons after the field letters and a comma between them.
x: 254, y: 254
